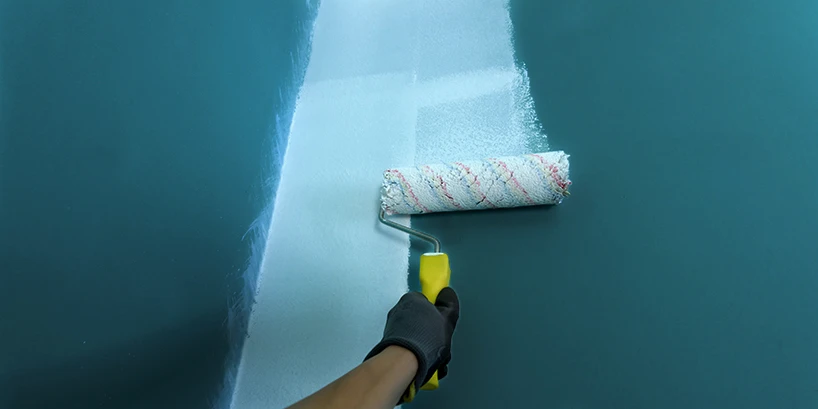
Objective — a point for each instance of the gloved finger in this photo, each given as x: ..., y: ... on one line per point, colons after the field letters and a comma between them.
x: 442, y: 371
x: 412, y: 296
x: 449, y: 305
x: 408, y: 301
x: 443, y: 368
x: 447, y: 298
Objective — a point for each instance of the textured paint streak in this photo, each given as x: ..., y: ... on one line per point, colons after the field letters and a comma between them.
x: 241, y: 306
x: 389, y: 84
x: 330, y: 272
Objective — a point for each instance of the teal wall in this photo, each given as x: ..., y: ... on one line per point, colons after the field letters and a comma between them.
x: 682, y: 272
x: 135, y: 138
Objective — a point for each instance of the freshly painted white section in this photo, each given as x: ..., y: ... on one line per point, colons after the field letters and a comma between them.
x: 390, y: 83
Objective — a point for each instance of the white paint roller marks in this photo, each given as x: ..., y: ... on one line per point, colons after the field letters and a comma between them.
x: 473, y: 101
x: 457, y: 36
x: 465, y: 86
x: 331, y: 272
x: 354, y: 38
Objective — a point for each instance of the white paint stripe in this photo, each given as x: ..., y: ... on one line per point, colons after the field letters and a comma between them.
x: 465, y: 86
x: 331, y: 272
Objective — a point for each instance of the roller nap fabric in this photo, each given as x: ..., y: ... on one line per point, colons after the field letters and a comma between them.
x: 527, y: 180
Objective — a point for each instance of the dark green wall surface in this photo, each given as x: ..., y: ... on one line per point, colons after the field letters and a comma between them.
x: 134, y: 139
x: 682, y: 272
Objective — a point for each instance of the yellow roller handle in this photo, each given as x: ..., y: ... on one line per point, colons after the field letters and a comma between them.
x: 434, y: 276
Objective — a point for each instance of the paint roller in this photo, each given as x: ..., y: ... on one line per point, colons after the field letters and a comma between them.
x: 527, y: 180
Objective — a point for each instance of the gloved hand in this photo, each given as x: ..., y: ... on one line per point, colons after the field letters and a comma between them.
x: 425, y: 329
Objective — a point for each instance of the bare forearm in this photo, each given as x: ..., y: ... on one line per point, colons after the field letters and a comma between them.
x: 378, y: 383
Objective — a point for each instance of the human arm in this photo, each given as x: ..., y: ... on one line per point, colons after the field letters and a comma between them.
x: 377, y: 383
x: 416, y: 342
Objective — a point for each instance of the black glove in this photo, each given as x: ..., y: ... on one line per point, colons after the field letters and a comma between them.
x: 425, y: 329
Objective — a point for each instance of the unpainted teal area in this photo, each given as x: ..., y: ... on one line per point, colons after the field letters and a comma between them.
x: 139, y: 141
x: 681, y: 272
